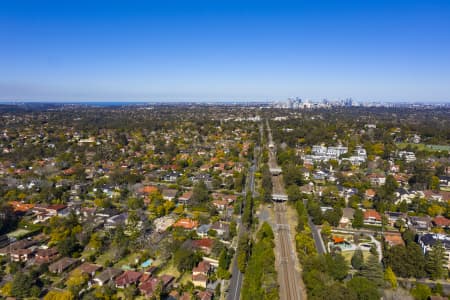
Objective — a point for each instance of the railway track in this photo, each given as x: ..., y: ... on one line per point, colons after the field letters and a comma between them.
x: 288, y: 277
x: 289, y: 283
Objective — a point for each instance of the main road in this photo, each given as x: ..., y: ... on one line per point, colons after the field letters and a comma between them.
x: 234, y: 289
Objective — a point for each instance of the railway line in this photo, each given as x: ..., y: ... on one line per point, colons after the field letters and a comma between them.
x: 288, y: 275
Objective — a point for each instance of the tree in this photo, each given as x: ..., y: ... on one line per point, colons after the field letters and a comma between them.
x: 435, y: 210
x: 434, y: 262
x: 337, y: 267
x: 421, y: 292
x: 364, y: 288
x: 76, y: 281
x: 358, y: 219
x: 186, y: 259
x: 434, y: 183
x: 406, y: 261
x: 59, y: 295
x: 389, y: 276
x: 333, y: 216
x: 200, y: 193
x: 373, y: 271
x: 21, y: 285
x: 357, y: 259
x: 293, y: 193
x: 326, y: 229
x: 8, y: 219
x: 135, y: 203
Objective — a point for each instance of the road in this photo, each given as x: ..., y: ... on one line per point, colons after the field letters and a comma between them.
x: 234, y: 289
x: 318, y: 241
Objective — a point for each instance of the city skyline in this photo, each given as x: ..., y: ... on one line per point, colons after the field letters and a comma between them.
x: 202, y: 51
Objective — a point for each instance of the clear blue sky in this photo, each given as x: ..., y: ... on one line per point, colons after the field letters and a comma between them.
x: 224, y: 50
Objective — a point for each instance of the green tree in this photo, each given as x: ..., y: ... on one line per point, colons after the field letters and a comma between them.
x: 421, y: 292
x: 326, y: 229
x: 293, y: 193
x: 59, y: 295
x: 337, y: 267
x: 434, y: 183
x: 21, y: 285
x: 373, y: 271
x: 435, y: 260
x: 364, y: 288
x: 186, y: 259
x: 358, y: 219
x: 76, y: 281
x: 8, y: 219
x: 357, y: 259
x: 406, y: 261
x: 200, y: 193
x: 135, y: 203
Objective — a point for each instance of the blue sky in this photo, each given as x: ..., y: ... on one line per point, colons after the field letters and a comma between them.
x: 224, y: 50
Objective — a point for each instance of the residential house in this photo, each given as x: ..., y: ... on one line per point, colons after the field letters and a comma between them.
x: 393, y: 239
x: 428, y: 240
x: 149, y: 286
x: 204, y: 295
x: 89, y: 269
x: 220, y: 205
x: 370, y: 193
x: 202, y: 230
x: 107, y: 275
x: 402, y: 194
x: 169, y: 194
x: 62, y: 265
x: 372, y: 217
x: 200, y: 274
x: 185, y: 223
x: 393, y: 217
x: 347, y: 217
x: 419, y: 224
x: 163, y: 223
x: 441, y: 222
x: 116, y: 220
x: 46, y: 256
x: 441, y: 196
x: 21, y: 255
x: 127, y: 278
x: 377, y: 179
x: 185, y: 198
x: 222, y: 229
x: 204, y: 245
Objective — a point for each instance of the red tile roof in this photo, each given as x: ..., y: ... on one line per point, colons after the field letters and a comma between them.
x: 441, y: 221
x: 373, y: 214
x: 186, y: 224
x: 127, y: 278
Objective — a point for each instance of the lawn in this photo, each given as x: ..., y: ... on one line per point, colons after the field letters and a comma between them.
x: 424, y: 147
x: 348, y: 255
x: 128, y: 260
x: 18, y: 233
x: 106, y: 256
x: 170, y: 269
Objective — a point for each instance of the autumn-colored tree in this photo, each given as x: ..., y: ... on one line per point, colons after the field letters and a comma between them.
x: 389, y: 277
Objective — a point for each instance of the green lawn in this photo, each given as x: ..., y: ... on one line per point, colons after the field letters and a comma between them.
x: 106, y: 256
x: 348, y: 255
x: 424, y: 147
x: 18, y: 233
x: 170, y: 269
x: 128, y: 260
